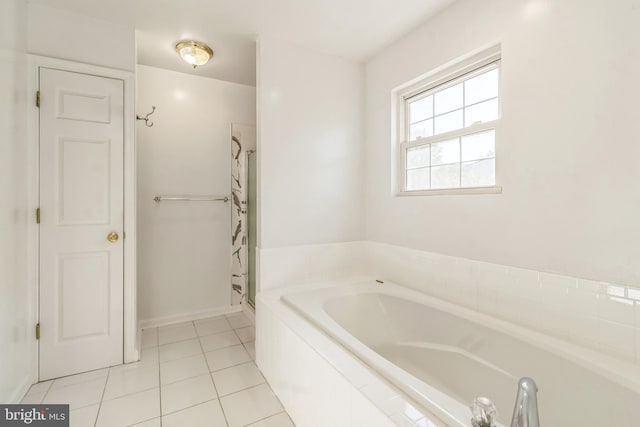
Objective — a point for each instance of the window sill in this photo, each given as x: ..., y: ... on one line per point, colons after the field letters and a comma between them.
x: 452, y: 191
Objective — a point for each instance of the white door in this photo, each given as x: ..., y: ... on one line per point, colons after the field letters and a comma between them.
x: 81, y: 222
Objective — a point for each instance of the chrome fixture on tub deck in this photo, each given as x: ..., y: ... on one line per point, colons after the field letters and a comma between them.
x: 484, y: 413
x: 525, y: 413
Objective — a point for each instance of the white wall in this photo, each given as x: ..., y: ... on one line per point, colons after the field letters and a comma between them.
x: 567, y: 150
x: 308, y: 264
x: 66, y: 35
x: 184, y: 255
x: 17, y: 352
x: 310, y: 147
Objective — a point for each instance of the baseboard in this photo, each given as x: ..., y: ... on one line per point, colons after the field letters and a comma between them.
x: 187, y: 317
x: 21, y: 391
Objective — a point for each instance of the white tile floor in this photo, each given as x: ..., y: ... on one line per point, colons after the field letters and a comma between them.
x: 191, y: 374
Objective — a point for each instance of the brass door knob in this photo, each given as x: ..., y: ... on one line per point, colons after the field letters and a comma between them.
x: 112, y: 237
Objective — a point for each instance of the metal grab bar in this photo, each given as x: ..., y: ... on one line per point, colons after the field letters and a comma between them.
x: 159, y: 199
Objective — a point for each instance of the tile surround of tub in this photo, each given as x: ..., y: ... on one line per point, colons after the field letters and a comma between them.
x: 598, y: 315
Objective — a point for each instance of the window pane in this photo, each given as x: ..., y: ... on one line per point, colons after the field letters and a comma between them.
x: 447, y: 176
x: 481, y: 173
x: 445, y: 152
x: 448, y: 122
x: 421, y: 109
x: 483, y: 112
x: 421, y: 130
x: 479, y: 145
x: 479, y: 88
x: 418, y: 157
x: 418, y: 179
x: 449, y: 99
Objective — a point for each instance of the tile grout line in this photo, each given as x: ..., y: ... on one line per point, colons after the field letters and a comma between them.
x: 224, y: 414
x: 264, y: 383
x: 247, y: 350
x: 252, y: 361
x: 177, y: 358
x: 267, y: 417
x: 143, y: 421
x: 215, y: 333
x: 280, y: 402
x: 187, y: 407
x: 159, y: 377
x: 187, y: 378
x: 71, y: 385
x: 104, y: 390
x: 128, y: 394
x: 182, y: 358
x: 252, y: 387
x: 46, y: 392
x: 176, y: 341
x: 231, y: 366
x: 272, y: 392
x: 215, y: 389
x: 157, y: 350
x: 79, y: 382
x: 239, y: 339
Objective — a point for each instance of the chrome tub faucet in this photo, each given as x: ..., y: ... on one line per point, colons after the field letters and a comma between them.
x: 525, y: 413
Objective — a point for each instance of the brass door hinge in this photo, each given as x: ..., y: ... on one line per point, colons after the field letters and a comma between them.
x: 38, y: 99
x: 38, y: 216
x: 37, y: 331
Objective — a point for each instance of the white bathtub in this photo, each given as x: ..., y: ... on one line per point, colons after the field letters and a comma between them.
x: 443, y: 356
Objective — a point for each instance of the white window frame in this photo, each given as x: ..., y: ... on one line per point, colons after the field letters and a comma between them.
x: 427, y: 85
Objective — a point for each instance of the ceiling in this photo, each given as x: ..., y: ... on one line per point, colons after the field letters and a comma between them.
x: 353, y: 29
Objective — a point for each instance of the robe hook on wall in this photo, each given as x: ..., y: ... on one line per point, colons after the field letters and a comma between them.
x: 146, y: 118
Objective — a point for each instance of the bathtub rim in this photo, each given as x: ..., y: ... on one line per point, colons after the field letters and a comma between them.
x: 618, y: 370
x: 370, y: 384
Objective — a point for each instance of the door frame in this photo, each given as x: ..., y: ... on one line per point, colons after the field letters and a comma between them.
x: 130, y: 321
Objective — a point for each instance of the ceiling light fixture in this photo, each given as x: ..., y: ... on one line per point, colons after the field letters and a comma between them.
x: 194, y: 53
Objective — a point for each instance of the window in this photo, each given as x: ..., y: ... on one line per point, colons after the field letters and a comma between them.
x: 448, y: 129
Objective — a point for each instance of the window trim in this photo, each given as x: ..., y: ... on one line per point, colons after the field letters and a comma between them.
x: 442, y: 78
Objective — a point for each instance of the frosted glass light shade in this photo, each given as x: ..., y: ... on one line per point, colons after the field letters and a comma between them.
x: 194, y: 53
